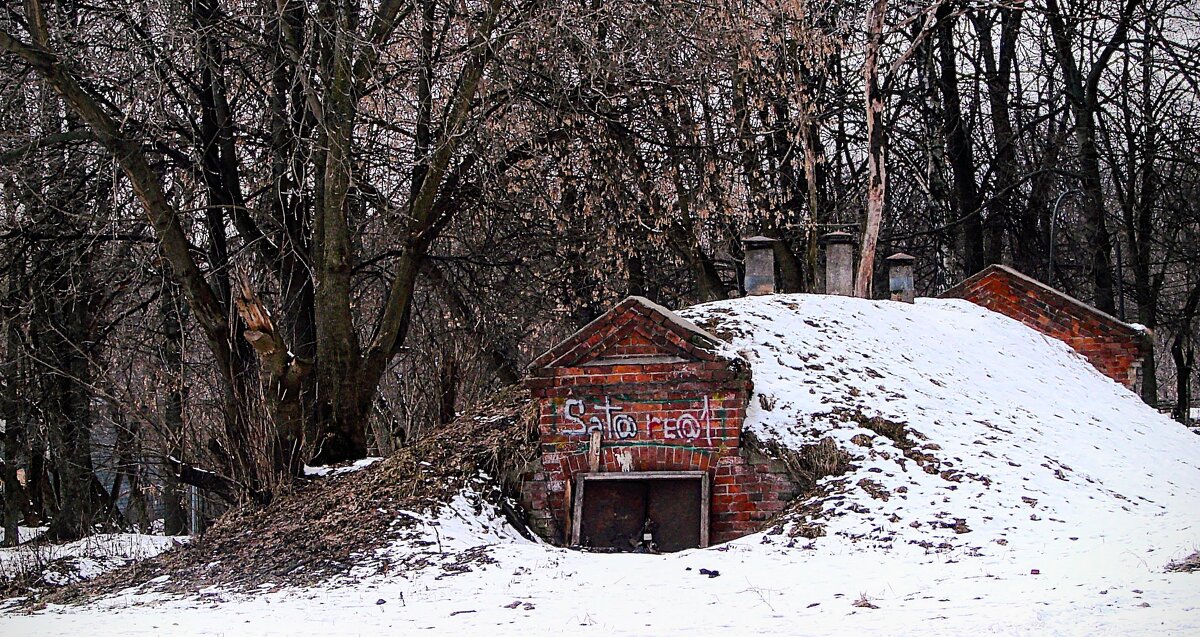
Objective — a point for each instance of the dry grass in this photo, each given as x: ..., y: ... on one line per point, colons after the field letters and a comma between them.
x: 1189, y: 564
x: 894, y: 431
x: 905, y: 439
x: 327, y: 525
x: 807, y: 467
x: 863, y: 602
x: 824, y: 459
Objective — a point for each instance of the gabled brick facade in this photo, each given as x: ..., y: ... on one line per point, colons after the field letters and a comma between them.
x: 664, y: 398
x: 1112, y: 346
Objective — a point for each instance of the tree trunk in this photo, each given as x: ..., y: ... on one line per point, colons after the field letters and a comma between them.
x: 958, y: 150
x: 448, y: 378
x: 1002, y: 209
x: 429, y: 213
x: 16, y: 502
x: 1139, y: 223
x: 876, y: 150
x: 340, y: 410
x: 814, y: 178
x: 62, y: 336
x: 127, y: 476
x: 940, y: 206
x: 1082, y: 95
x: 1183, y: 352
x: 791, y: 272
x: 171, y: 357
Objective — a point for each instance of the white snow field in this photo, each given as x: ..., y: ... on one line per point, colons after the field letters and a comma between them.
x: 1048, y: 500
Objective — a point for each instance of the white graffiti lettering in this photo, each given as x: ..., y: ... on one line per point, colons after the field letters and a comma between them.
x: 609, y: 420
x: 571, y: 412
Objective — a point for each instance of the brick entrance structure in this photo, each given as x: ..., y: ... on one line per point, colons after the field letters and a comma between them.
x: 660, y: 395
x: 1112, y: 346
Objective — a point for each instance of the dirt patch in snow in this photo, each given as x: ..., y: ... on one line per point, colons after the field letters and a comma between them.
x: 331, y: 525
x: 907, y: 440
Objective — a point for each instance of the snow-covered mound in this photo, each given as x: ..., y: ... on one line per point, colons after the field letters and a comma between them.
x: 998, y: 484
x: 968, y: 430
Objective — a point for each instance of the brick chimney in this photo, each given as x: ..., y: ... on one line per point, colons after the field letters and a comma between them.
x: 900, y: 277
x: 839, y: 263
x: 760, y: 265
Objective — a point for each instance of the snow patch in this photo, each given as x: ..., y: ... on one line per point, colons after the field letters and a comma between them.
x: 27, y: 533
x: 323, y: 471
x: 62, y: 564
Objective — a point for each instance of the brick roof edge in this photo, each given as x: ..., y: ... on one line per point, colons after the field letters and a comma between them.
x: 671, y: 321
x: 958, y: 290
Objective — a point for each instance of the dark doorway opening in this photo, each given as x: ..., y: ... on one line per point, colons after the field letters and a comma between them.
x: 656, y: 511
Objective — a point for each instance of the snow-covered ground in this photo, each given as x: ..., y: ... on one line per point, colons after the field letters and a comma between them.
x: 327, y: 471
x: 1041, y: 498
x: 26, y: 533
x: 60, y: 564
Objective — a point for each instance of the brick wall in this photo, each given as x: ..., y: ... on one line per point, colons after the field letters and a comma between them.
x: 749, y: 489
x: 1113, y: 347
x: 663, y: 400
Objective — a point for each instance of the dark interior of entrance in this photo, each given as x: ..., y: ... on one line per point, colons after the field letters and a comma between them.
x: 641, y: 512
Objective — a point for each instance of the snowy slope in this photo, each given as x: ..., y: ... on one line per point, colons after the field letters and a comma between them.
x: 1037, y: 497
x: 1030, y: 443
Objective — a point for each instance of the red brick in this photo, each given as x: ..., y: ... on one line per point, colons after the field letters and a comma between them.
x: 741, y: 500
x: 1111, y: 346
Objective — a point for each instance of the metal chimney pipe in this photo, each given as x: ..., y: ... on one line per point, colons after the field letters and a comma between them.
x: 760, y: 265
x: 839, y: 263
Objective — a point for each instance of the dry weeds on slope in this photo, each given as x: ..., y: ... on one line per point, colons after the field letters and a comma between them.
x: 329, y: 525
